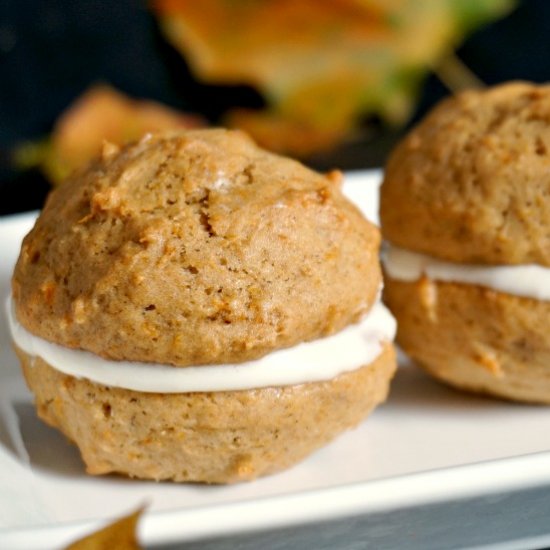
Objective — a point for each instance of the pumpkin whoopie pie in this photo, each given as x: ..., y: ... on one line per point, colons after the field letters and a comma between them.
x: 465, y: 211
x: 193, y: 308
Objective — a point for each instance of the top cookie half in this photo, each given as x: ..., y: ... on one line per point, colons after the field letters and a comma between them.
x: 195, y: 248
x: 471, y: 183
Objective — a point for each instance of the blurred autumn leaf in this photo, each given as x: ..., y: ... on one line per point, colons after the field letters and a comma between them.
x: 322, y: 65
x: 101, y: 114
x: 119, y: 535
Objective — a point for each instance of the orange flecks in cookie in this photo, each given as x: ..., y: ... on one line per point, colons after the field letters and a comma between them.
x: 108, y: 199
x: 335, y: 177
x: 488, y: 359
x: 428, y: 297
x: 48, y: 291
x: 109, y: 150
x: 79, y: 311
x: 243, y: 467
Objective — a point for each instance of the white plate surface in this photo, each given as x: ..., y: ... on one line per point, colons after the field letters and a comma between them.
x: 426, y: 444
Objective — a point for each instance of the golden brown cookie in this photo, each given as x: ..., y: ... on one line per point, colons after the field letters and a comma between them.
x: 471, y: 182
x: 471, y: 185
x: 474, y: 338
x: 215, y: 437
x: 190, y: 249
x: 195, y: 248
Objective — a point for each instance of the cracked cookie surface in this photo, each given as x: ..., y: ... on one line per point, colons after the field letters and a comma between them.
x: 195, y: 248
x: 471, y: 182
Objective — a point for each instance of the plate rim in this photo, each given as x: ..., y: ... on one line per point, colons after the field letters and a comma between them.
x: 302, y: 507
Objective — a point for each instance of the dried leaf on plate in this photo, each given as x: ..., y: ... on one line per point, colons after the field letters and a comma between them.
x: 119, y: 535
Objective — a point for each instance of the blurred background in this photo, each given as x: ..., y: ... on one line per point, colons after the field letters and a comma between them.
x: 332, y: 82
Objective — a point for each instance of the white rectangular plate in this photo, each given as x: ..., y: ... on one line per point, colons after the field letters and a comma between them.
x: 426, y: 444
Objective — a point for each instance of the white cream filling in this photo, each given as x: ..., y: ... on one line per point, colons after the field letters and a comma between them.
x: 528, y: 281
x: 322, y: 359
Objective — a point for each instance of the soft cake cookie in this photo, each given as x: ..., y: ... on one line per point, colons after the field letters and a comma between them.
x: 194, y: 308
x: 465, y: 210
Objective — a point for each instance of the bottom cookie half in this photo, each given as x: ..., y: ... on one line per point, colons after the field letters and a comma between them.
x: 210, y: 437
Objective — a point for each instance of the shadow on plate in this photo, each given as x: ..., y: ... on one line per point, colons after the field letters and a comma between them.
x: 414, y: 389
x: 6, y: 438
x: 47, y: 448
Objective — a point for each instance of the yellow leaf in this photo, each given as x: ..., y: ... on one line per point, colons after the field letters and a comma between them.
x: 321, y: 64
x: 120, y: 535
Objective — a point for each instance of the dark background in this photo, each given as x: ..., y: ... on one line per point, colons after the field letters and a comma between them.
x: 51, y: 51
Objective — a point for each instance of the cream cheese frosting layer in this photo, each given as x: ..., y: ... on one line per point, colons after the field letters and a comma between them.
x: 314, y: 361
x: 527, y: 281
